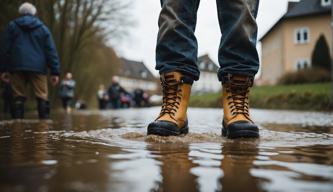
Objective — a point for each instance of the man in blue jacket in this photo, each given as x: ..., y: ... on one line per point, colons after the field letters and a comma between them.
x: 29, y: 51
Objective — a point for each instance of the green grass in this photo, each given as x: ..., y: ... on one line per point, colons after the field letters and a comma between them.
x: 321, y: 88
x: 299, y: 97
x: 211, y: 100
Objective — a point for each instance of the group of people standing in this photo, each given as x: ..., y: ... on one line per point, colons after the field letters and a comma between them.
x: 116, y: 96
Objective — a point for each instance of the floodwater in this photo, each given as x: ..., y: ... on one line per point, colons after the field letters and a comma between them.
x: 109, y: 151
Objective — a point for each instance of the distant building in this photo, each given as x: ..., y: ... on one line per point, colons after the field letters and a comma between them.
x: 288, y: 45
x: 133, y: 74
x: 208, y: 81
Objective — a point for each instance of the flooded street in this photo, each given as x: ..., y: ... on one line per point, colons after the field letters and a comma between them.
x: 109, y: 151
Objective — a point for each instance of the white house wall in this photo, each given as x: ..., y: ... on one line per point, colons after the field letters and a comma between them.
x: 132, y: 84
x: 208, y: 82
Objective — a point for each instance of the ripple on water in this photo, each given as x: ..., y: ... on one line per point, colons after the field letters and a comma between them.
x: 189, y: 138
x: 49, y: 162
x: 268, y: 138
x: 293, y: 139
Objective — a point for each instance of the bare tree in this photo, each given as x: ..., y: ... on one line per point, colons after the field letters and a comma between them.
x: 81, y: 29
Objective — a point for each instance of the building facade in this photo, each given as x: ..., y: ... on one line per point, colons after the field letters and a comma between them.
x: 208, y: 81
x: 288, y: 45
x: 133, y: 75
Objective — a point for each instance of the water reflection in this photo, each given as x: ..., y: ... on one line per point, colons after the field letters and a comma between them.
x: 207, y: 157
x: 296, y: 169
x: 239, y: 157
x: 175, y: 166
x: 80, y: 168
x: 134, y: 170
x: 23, y: 155
x: 25, y: 144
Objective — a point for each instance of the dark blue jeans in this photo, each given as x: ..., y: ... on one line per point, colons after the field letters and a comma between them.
x: 177, y: 46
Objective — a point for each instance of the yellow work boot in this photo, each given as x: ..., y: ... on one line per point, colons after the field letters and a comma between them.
x: 172, y: 120
x: 236, y: 121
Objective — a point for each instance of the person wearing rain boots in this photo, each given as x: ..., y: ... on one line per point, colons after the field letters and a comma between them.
x: 176, y: 60
x: 29, y: 50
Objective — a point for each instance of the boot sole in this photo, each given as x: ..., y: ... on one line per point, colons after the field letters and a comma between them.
x: 167, y: 131
x: 236, y: 133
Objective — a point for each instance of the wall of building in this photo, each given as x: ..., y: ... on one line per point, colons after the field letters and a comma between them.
x: 294, y: 52
x: 272, y: 56
x: 280, y: 52
x: 208, y: 82
x: 132, y: 84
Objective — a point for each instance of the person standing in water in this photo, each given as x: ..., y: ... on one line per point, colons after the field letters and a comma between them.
x: 67, y: 88
x: 115, y: 91
x: 102, y: 97
x: 176, y: 60
x: 29, y: 53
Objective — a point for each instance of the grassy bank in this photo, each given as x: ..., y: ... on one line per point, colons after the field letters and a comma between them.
x: 299, y: 97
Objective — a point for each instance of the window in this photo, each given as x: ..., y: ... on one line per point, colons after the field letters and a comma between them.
x: 302, y: 35
x: 302, y: 64
x: 325, y: 3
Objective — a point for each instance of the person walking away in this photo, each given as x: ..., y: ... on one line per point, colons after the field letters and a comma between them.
x: 67, y: 87
x: 114, y: 93
x: 102, y: 97
x: 29, y: 52
x: 176, y: 60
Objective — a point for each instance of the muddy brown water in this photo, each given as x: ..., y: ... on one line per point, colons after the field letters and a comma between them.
x: 109, y: 151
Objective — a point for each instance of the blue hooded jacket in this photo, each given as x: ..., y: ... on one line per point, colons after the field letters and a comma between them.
x: 29, y: 46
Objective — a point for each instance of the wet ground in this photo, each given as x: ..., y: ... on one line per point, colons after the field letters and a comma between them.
x: 109, y: 151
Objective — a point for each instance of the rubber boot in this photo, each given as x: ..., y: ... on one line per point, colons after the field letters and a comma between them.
x: 43, y: 109
x: 172, y: 120
x: 236, y: 121
x: 18, y: 108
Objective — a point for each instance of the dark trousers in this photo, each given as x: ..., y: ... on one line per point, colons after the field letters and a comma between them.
x: 177, y: 46
x: 102, y: 104
x: 115, y: 103
x: 66, y: 102
x: 7, y: 97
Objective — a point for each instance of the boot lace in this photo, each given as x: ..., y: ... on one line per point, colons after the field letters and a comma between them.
x: 171, y: 96
x: 239, y: 98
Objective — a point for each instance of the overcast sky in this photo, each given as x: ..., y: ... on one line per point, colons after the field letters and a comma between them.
x: 141, y: 42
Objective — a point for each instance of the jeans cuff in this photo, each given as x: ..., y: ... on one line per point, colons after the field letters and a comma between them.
x: 226, y: 77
